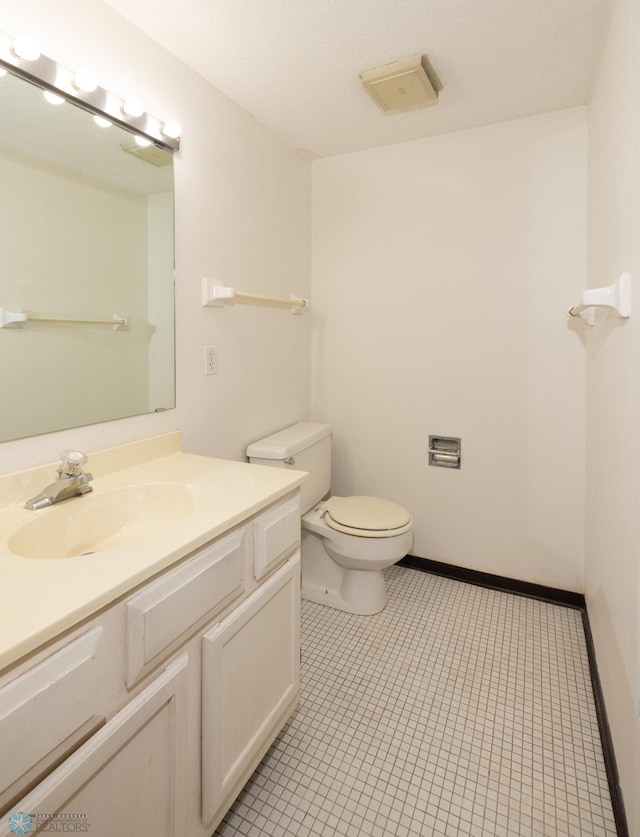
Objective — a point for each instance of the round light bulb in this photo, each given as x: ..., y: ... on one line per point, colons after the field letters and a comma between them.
x: 53, y: 98
x: 172, y: 129
x: 3, y: 72
x: 132, y: 107
x: 102, y: 122
x: 85, y: 80
x: 142, y: 142
x: 26, y: 48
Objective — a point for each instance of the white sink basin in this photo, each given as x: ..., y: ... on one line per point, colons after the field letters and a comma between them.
x: 97, y: 522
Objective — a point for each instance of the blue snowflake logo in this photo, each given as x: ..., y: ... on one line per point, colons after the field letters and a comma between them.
x: 20, y: 823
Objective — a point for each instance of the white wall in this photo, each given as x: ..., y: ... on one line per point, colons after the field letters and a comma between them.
x: 613, y: 395
x: 442, y: 273
x: 242, y: 214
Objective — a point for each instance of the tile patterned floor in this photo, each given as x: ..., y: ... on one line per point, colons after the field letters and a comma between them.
x: 458, y: 710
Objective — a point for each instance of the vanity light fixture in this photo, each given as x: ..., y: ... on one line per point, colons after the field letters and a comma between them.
x: 21, y: 56
x: 26, y: 48
x: 85, y: 81
x: 172, y: 129
x: 132, y: 107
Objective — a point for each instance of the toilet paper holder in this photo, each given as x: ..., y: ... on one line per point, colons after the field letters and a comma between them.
x: 445, y: 451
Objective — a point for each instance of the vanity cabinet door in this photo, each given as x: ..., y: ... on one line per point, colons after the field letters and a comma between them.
x: 251, y: 684
x: 127, y: 779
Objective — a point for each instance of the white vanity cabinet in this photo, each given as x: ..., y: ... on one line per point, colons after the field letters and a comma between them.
x: 149, y: 717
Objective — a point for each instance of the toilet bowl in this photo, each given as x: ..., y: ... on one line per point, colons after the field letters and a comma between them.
x: 343, y: 569
x: 347, y: 542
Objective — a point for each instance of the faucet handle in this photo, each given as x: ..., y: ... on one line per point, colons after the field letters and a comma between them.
x: 72, y: 462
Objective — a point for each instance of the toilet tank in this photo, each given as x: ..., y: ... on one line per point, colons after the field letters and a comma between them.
x: 305, y: 446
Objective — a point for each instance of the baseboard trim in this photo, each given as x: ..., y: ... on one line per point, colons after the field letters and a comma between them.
x: 552, y: 595
x: 605, y: 734
x: 495, y: 582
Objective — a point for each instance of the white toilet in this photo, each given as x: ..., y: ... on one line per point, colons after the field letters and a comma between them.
x: 346, y: 541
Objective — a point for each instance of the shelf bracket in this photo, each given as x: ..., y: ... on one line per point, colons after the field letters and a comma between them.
x: 616, y: 298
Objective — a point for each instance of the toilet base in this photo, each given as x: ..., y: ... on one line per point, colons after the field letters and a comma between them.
x: 359, y: 592
x: 362, y: 592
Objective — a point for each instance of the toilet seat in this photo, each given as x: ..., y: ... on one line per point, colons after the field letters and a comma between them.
x: 366, y: 517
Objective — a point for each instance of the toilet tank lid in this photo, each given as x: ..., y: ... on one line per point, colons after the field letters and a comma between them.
x: 289, y: 441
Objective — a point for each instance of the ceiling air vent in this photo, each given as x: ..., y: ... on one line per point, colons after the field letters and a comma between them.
x: 400, y: 86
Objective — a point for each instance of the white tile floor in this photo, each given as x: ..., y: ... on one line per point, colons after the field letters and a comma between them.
x: 458, y: 710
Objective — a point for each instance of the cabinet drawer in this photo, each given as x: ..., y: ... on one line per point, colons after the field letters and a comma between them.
x: 45, y: 712
x: 176, y: 602
x: 276, y: 536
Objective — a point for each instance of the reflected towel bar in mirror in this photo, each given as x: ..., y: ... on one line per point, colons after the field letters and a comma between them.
x: 12, y: 318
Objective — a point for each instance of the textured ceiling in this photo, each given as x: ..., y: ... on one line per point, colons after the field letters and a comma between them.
x: 294, y: 64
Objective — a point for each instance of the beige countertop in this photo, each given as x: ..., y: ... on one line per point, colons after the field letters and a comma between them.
x: 41, y: 597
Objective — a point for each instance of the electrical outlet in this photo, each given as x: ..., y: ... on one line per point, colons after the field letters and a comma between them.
x: 210, y: 360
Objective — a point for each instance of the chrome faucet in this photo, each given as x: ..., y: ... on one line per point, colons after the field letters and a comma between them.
x: 71, y: 482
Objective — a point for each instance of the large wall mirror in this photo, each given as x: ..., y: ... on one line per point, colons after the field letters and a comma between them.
x: 86, y: 268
